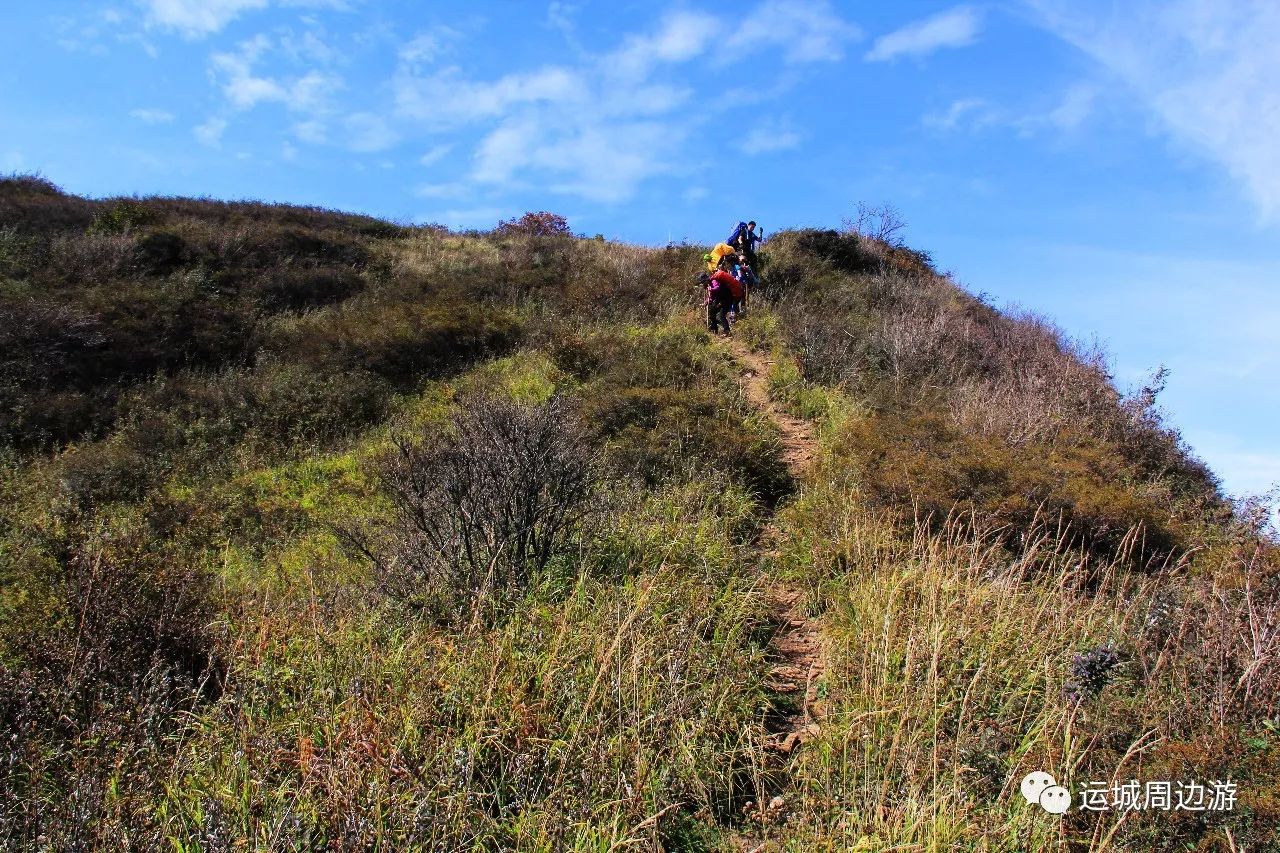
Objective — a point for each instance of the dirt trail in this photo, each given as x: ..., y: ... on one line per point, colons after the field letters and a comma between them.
x: 797, y: 642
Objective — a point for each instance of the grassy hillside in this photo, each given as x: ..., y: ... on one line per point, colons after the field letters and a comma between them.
x: 318, y: 532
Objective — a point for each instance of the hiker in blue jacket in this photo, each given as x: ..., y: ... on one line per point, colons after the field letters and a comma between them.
x: 744, y: 239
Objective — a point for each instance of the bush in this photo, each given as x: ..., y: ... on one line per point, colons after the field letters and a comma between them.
x: 162, y: 252
x: 542, y: 224
x: 122, y: 217
x: 32, y: 204
x: 477, y: 514
x: 919, y: 461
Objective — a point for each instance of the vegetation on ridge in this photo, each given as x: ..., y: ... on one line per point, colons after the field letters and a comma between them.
x: 229, y: 616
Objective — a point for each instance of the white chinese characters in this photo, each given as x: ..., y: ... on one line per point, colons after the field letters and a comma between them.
x: 1215, y: 795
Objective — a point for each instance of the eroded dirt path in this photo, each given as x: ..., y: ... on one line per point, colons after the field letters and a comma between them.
x: 798, y: 442
x: 797, y: 644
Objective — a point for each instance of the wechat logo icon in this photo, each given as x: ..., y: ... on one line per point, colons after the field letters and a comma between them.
x: 1041, y: 788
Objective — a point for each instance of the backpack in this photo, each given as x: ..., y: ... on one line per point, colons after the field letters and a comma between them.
x: 731, y: 284
x: 736, y: 235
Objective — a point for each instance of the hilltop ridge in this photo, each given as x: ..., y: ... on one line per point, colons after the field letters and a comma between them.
x: 322, y: 531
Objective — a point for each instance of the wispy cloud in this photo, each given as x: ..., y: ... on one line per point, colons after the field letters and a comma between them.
x: 312, y: 131
x: 770, y: 135
x: 599, y: 125
x: 954, y: 28
x: 435, y: 154
x: 805, y: 31
x: 198, y: 18
x: 966, y: 112
x: 679, y: 38
x: 1074, y: 107
x: 245, y: 89
x: 560, y: 17
x: 429, y: 45
x: 195, y: 18
x: 151, y: 115
x: 210, y: 132
x: 1208, y: 69
x: 448, y: 99
x: 367, y: 132
x: 1077, y: 104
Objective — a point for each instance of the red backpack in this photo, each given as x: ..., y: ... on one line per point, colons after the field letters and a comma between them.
x: 730, y: 283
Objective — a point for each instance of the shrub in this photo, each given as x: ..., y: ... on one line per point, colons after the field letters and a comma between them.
x: 32, y: 204
x: 1090, y: 672
x: 477, y: 514
x: 161, y: 252
x: 916, y: 460
x: 122, y: 217
x: 542, y: 224
x: 19, y: 253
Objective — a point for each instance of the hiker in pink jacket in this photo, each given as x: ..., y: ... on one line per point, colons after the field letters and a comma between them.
x: 718, y: 299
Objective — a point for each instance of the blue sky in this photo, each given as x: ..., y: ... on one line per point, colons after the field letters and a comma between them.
x: 1113, y: 165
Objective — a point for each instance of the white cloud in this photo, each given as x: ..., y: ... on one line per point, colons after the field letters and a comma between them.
x: 805, y: 30
x: 971, y: 112
x: 954, y: 28
x: 600, y: 161
x: 310, y: 92
x: 312, y: 131
x: 210, y: 133
x: 1076, y: 106
x: 435, y: 154
x: 197, y: 17
x: 1208, y: 69
x: 313, y: 91
x: 288, y: 151
x: 428, y: 46
x: 769, y: 136
x: 446, y: 99
x: 602, y: 124
x: 449, y: 190
x: 236, y: 71
x: 1073, y: 108
x: 560, y: 16
x: 680, y: 37
x: 308, y: 48
x: 149, y: 115
x: 368, y: 132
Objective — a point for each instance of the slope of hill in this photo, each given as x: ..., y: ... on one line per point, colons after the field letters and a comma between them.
x: 322, y: 532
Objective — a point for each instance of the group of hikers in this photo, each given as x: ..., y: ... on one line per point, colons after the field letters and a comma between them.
x: 729, y: 277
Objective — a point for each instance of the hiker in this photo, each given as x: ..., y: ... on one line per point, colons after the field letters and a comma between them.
x: 747, y: 276
x: 718, y: 254
x: 717, y: 301
x: 731, y: 284
x: 744, y: 239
